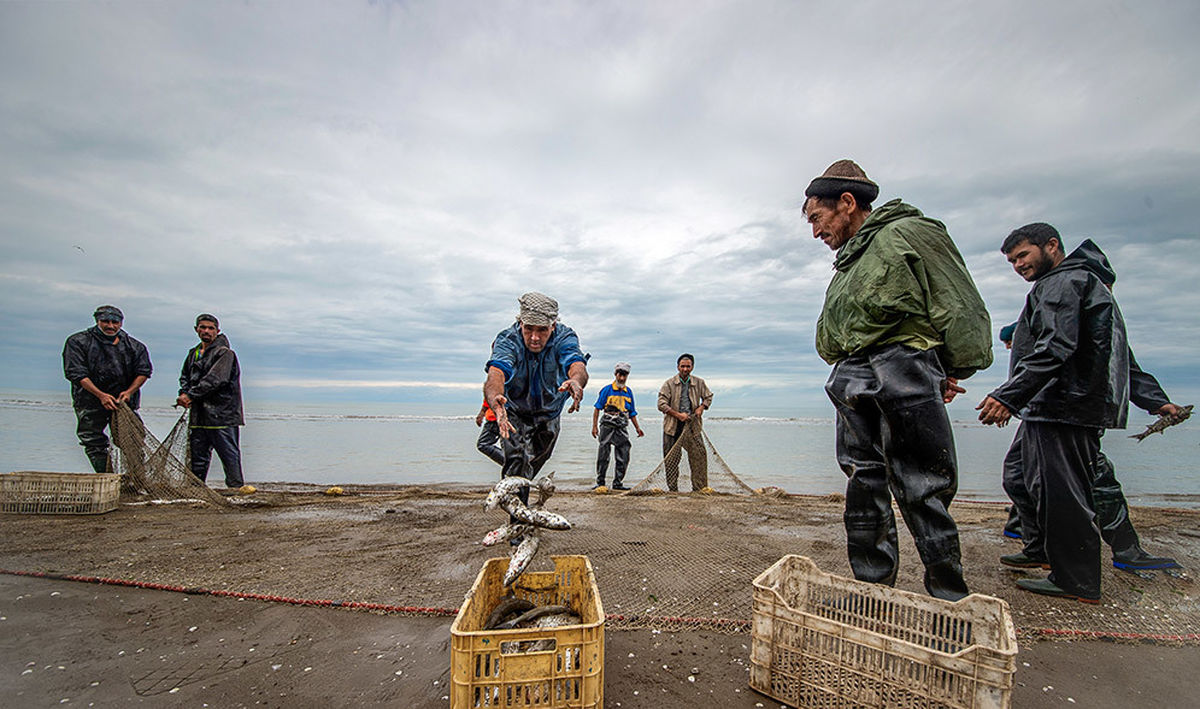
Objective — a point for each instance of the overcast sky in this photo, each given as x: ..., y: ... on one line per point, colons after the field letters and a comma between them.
x: 361, y: 190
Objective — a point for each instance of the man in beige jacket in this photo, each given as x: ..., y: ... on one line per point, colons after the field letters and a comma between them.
x: 683, y: 399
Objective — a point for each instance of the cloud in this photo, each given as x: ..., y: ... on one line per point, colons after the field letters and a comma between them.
x: 361, y: 191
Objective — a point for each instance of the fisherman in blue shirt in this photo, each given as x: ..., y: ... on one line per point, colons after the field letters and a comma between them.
x: 536, y: 365
x: 610, y: 418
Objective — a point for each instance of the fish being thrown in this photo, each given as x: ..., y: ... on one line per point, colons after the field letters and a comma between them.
x: 534, y: 516
x: 1164, y: 422
x: 507, y: 487
x: 505, y: 533
x: 521, y: 557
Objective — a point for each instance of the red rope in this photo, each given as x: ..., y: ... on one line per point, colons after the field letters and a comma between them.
x: 727, y: 623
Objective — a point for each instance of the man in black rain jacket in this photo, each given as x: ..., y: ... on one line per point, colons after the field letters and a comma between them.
x: 1069, y: 379
x: 106, y: 368
x: 211, y: 386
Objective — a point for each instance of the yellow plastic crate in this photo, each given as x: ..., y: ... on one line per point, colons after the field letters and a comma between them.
x: 59, y: 493
x: 552, y: 668
x: 820, y: 640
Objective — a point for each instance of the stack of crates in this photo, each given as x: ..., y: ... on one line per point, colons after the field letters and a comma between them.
x: 59, y: 493
x: 553, y: 668
x: 820, y: 640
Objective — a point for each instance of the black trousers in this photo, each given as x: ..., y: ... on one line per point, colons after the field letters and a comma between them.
x: 616, y: 439
x: 226, y: 442
x: 489, y: 441
x: 696, y: 455
x: 1060, y: 463
x: 89, y: 426
x: 528, y: 448
x: 1112, y: 510
x: 894, y: 440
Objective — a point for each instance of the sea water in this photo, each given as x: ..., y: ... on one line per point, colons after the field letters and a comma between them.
x: 373, y: 442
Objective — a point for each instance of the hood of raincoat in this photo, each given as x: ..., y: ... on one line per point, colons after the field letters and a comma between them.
x: 213, y: 380
x: 901, y: 280
x: 1070, y: 360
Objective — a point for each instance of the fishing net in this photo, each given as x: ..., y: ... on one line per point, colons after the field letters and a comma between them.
x: 153, y: 469
x: 705, y: 470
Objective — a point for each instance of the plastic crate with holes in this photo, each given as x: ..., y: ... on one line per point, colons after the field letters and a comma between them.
x: 556, y: 668
x: 59, y: 493
x: 820, y: 640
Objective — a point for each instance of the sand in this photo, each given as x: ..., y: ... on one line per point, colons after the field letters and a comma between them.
x: 106, y: 645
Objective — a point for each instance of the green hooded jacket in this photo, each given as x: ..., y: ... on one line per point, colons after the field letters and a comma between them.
x: 901, y: 280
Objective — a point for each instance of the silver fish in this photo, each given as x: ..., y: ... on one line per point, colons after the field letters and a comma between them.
x: 536, y: 517
x: 505, y: 533
x: 506, y: 608
x: 526, y: 619
x: 1164, y: 422
x: 521, y: 557
x: 507, y: 487
x: 545, y: 488
x: 556, y: 620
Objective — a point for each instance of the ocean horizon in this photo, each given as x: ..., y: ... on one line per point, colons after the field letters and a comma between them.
x: 373, y: 442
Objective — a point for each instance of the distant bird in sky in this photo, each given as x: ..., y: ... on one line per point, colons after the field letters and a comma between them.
x: 81, y: 249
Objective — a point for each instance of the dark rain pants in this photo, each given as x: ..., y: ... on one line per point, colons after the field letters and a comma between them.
x: 489, y: 442
x: 528, y: 448
x: 90, y: 429
x: 203, y: 441
x: 1112, y: 510
x: 616, y: 439
x: 894, y: 440
x: 1060, y: 464
x: 697, y: 457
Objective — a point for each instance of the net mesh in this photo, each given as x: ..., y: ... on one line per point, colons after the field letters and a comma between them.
x: 153, y: 469
x: 705, y: 470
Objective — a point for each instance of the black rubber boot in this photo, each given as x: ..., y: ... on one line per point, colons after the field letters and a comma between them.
x: 1135, y: 558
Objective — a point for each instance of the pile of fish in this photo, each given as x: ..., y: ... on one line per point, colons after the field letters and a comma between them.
x: 512, y: 613
x: 529, y: 520
x: 1164, y: 422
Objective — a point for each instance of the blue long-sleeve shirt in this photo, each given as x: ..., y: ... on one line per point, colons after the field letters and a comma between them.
x: 532, y: 379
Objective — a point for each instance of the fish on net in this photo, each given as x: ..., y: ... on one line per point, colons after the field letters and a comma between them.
x: 705, y: 470
x: 153, y: 469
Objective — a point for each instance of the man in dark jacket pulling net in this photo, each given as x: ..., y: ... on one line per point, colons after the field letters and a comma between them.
x: 106, y: 368
x: 1071, y: 375
x: 210, y: 385
x: 901, y: 324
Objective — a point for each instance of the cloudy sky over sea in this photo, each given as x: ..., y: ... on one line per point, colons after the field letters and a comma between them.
x: 361, y: 190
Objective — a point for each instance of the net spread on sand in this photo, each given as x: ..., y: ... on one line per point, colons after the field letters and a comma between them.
x: 705, y: 470
x: 666, y: 561
x: 155, y: 469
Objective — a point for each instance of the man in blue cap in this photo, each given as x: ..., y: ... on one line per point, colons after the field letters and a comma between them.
x: 106, y: 368
x: 611, y: 416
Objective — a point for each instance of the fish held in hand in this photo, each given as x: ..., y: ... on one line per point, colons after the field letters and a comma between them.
x: 1164, y: 422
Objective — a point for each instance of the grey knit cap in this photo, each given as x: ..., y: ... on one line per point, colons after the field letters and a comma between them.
x: 537, y: 309
x: 621, y: 367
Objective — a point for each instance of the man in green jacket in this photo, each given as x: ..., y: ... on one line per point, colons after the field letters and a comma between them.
x: 901, y: 324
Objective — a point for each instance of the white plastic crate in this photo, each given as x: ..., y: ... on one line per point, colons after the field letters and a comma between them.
x: 820, y: 640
